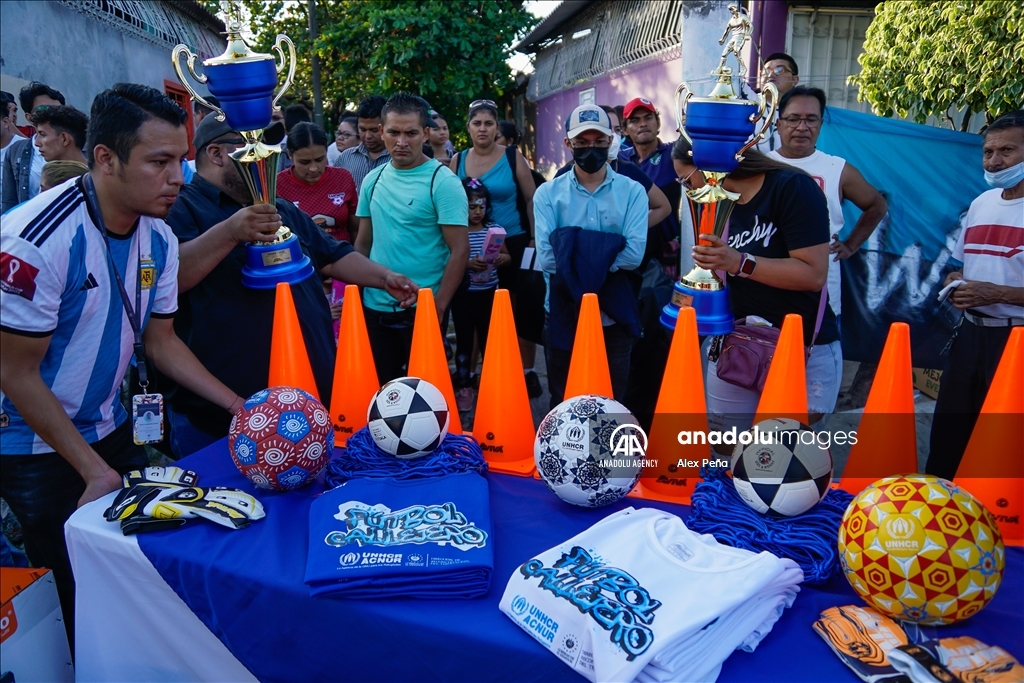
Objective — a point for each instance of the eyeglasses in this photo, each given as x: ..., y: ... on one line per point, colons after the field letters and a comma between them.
x: 795, y: 121
x: 584, y: 144
x: 42, y: 107
x: 777, y: 70
x: 482, y: 103
x: 346, y: 136
x: 685, y: 182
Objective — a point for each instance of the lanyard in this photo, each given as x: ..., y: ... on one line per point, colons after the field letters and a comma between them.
x: 134, y: 314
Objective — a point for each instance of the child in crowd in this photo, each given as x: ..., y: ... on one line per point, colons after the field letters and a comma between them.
x: 471, y: 306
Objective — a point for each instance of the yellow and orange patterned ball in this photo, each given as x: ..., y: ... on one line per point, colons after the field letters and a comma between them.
x: 922, y: 549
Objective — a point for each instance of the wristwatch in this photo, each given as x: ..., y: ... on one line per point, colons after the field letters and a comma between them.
x: 747, y: 265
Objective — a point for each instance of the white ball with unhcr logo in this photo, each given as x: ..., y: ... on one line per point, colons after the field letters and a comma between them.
x: 590, y: 450
x: 781, y: 466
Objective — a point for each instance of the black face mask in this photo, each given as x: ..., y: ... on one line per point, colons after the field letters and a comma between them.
x: 590, y: 159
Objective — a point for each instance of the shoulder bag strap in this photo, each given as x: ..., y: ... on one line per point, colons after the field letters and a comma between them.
x: 513, y: 160
x: 821, y: 313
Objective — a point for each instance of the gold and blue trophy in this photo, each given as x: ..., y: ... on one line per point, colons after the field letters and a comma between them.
x: 720, y: 129
x: 244, y: 82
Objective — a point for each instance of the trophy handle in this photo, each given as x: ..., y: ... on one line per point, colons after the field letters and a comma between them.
x: 290, y: 60
x: 680, y: 108
x: 176, y: 61
x: 768, y: 100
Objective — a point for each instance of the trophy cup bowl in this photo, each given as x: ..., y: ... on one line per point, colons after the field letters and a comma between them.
x: 244, y: 82
x: 245, y: 91
x: 719, y: 128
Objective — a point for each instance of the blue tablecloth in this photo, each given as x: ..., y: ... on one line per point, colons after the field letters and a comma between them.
x: 247, y: 587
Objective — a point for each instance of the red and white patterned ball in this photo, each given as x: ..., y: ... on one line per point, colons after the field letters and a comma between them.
x: 281, y: 438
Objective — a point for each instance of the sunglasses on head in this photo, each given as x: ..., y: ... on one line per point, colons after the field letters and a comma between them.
x: 482, y: 103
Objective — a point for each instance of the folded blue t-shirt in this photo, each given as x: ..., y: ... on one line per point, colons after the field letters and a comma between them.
x: 425, y: 538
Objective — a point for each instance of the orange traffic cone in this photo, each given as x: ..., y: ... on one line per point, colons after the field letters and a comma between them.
x: 785, y: 390
x: 289, y: 361
x: 355, y: 374
x: 504, y: 420
x: 992, y: 468
x: 427, y: 360
x: 887, y: 434
x: 681, y: 408
x: 588, y: 368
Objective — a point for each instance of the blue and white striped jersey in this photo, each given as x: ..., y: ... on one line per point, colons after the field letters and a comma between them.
x: 56, y: 281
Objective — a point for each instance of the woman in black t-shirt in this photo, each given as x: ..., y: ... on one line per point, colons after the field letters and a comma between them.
x: 776, y: 258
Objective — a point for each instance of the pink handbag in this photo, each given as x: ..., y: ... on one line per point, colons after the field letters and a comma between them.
x: 746, y: 353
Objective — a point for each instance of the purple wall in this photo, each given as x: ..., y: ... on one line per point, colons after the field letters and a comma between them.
x: 655, y: 80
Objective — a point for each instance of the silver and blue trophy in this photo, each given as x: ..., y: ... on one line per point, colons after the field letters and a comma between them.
x: 720, y: 129
x: 244, y: 82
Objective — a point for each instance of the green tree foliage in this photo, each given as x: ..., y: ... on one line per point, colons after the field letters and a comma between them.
x: 923, y: 58
x: 448, y: 51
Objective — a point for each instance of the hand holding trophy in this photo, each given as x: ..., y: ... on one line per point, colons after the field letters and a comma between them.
x: 244, y: 81
x: 720, y: 128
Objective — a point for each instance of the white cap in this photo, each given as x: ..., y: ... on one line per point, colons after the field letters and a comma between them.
x: 588, y: 117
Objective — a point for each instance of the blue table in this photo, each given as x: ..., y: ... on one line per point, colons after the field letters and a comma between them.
x: 247, y: 587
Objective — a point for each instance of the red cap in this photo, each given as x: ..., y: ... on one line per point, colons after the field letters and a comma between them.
x: 638, y: 103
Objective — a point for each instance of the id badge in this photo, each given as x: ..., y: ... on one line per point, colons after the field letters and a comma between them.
x: 147, y: 418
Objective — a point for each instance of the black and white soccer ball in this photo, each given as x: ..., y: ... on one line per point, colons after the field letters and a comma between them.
x: 575, y: 451
x: 780, y: 467
x: 408, y: 418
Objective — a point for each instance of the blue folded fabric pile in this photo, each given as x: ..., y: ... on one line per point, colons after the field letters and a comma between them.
x: 808, y: 539
x: 385, y: 537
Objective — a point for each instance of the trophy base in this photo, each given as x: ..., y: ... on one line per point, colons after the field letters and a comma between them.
x: 267, y: 264
x: 712, y: 306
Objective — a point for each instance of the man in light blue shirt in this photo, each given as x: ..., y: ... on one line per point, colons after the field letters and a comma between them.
x: 568, y: 211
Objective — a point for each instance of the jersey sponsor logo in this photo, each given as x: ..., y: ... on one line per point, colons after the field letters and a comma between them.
x: 416, y: 524
x: 338, y: 198
x: 17, y: 277
x: 761, y: 231
x: 612, y: 597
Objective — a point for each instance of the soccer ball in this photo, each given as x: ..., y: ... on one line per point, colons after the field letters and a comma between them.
x: 281, y: 438
x: 920, y: 548
x: 778, y: 466
x: 576, y: 456
x: 408, y: 418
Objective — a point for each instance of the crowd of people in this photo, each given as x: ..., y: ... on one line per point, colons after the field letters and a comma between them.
x: 118, y: 254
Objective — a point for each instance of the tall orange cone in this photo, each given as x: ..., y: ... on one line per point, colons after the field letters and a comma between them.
x: 504, y: 421
x: 785, y: 390
x: 887, y: 434
x: 588, y: 368
x: 992, y: 467
x: 289, y: 361
x: 355, y: 374
x: 427, y: 360
x: 681, y: 408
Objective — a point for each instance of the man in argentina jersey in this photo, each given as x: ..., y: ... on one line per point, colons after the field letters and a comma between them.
x: 65, y: 336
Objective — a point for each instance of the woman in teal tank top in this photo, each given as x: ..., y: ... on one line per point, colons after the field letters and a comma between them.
x: 489, y: 162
